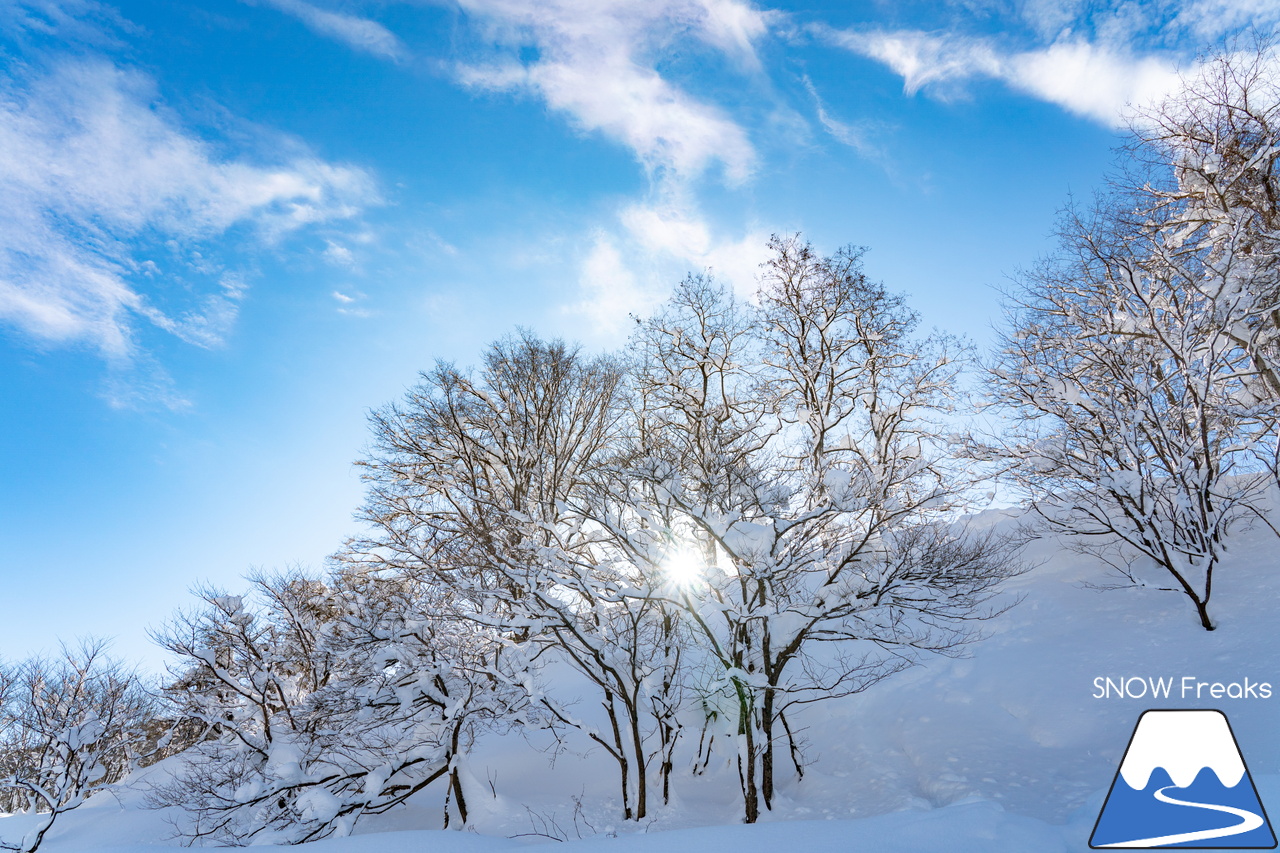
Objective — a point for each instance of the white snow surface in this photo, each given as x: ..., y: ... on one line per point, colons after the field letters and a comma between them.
x: 1003, y: 751
x: 1183, y: 743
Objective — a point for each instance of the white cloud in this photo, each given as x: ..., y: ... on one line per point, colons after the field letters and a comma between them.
x: 91, y: 171
x: 611, y: 290
x: 665, y: 127
x: 678, y: 232
x: 597, y: 63
x: 338, y: 255
x: 734, y: 27
x: 1088, y: 79
x: 1096, y: 59
x: 358, y: 33
x: 347, y: 304
x: 921, y: 59
x: 631, y: 269
x: 1091, y: 81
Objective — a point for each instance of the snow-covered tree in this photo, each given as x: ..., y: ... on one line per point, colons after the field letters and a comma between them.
x: 480, y: 480
x: 1141, y: 361
x: 1138, y: 429
x: 791, y: 483
x: 752, y: 512
x: 70, y: 727
x: 328, y: 700
x: 1206, y: 189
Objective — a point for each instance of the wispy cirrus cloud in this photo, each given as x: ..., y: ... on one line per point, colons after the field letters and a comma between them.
x: 1210, y: 19
x: 108, y: 205
x: 847, y: 134
x: 67, y: 21
x: 1179, y: 25
x: 362, y: 34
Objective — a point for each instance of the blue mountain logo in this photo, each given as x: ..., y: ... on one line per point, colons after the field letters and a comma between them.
x: 1183, y: 783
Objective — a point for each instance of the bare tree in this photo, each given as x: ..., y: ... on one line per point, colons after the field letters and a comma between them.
x: 70, y: 727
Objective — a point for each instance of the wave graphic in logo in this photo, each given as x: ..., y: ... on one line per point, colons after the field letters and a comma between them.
x: 1183, y: 783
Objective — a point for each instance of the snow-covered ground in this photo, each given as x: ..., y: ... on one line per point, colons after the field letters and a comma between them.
x: 1006, y: 750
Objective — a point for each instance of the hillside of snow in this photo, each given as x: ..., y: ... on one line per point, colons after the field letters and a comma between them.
x: 1004, y: 750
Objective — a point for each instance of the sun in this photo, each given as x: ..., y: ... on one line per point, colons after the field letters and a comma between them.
x: 683, y: 566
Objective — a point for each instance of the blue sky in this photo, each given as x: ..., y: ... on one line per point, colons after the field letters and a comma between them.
x: 229, y: 229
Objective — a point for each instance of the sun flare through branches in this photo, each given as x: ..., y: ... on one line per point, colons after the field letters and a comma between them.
x: 683, y: 566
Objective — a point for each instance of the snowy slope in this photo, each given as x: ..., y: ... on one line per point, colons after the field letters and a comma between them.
x: 1005, y: 750
x: 1017, y: 723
